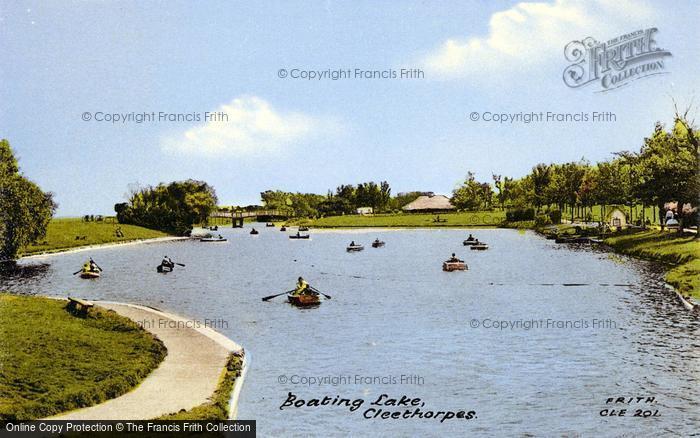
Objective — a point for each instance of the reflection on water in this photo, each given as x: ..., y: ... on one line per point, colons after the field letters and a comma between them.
x: 394, y: 313
x: 20, y: 275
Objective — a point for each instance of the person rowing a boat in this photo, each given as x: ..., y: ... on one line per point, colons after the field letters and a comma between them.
x: 167, y: 262
x: 453, y: 259
x: 302, y: 287
x: 470, y: 238
x: 90, y: 266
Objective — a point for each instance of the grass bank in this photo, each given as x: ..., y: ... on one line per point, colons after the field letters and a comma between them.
x: 401, y: 220
x: 217, y: 408
x: 67, y: 233
x: 53, y: 361
x: 680, y: 252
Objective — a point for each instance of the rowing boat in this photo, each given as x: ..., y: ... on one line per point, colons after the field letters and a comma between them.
x: 299, y: 236
x: 355, y: 248
x: 164, y: 268
x: 212, y: 239
x: 90, y: 274
x: 479, y: 247
x: 470, y: 242
x: 454, y: 266
x: 304, y: 300
x: 378, y: 244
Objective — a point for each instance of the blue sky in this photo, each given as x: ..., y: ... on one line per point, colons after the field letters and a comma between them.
x: 61, y: 59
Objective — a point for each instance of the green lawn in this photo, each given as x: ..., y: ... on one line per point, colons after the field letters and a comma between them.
x: 464, y: 219
x: 682, y: 252
x: 53, y: 361
x: 62, y: 233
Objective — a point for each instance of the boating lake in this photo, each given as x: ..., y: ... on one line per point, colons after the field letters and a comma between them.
x: 395, y: 313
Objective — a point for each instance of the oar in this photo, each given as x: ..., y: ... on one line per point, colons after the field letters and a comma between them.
x: 272, y: 296
x: 180, y: 264
x: 98, y: 266
x: 76, y: 272
x: 328, y: 297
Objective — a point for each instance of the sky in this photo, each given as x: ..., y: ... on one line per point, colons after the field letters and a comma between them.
x: 65, y: 61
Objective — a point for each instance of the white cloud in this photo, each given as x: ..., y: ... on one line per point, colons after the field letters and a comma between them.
x: 530, y: 33
x: 253, y: 127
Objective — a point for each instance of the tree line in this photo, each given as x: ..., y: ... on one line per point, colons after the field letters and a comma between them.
x: 664, y: 169
x: 346, y: 199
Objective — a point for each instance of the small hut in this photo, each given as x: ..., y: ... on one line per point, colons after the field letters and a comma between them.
x: 617, y: 219
x: 429, y: 204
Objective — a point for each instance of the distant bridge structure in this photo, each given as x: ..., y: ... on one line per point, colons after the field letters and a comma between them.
x: 236, y: 218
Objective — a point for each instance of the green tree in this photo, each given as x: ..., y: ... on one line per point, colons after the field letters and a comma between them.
x: 174, y: 207
x: 498, y: 182
x: 667, y: 167
x: 565, y: 184
x: 384, y: 196
x: 346, y: 192
x: 276, y: 200
x: 521, y: 192
x: 25, y: 210
x: 588, y: 190
x: 334, y: 206
x: 540, y: 178
x: 472, y: 195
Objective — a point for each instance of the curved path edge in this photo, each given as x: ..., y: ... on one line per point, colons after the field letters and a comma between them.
x: 187, y: 377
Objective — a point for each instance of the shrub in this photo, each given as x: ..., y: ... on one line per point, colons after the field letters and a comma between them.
x: 542, y: 220
x: 555, y: 216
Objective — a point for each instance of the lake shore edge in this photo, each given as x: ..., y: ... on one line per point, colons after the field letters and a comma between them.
x: 676, y: 263
x: 75, y: 249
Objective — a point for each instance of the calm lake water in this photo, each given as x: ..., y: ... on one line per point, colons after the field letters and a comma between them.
x: 395, y: 313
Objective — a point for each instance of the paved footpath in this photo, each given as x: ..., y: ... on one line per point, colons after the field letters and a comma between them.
x: 187, y: 377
